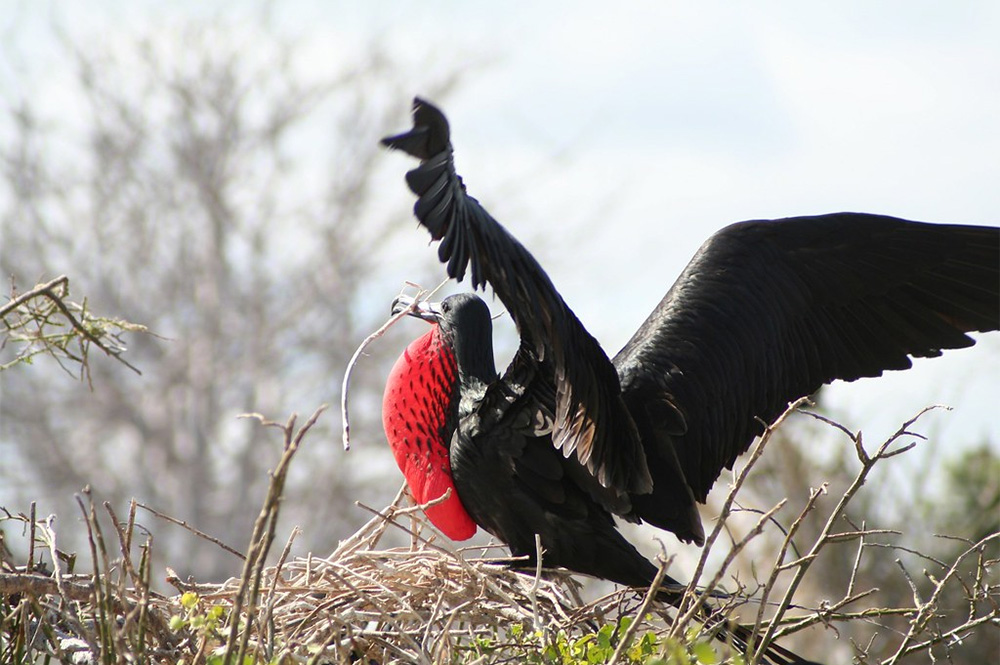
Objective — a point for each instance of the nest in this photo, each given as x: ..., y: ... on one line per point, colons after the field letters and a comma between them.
x: 427, y: 603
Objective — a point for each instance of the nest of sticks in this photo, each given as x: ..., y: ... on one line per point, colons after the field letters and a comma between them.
x: 426, y: 603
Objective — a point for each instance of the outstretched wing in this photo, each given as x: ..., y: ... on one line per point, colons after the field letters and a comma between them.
x: 590, y: 418
x: 768, y: 311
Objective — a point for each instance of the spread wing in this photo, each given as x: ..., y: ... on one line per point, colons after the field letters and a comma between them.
x: 768, y: 311
x: 590, y: 418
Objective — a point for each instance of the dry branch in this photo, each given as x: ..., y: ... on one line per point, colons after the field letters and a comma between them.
x: 31, y: 324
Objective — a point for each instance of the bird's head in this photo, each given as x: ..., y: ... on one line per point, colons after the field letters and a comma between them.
x: 464, y: 326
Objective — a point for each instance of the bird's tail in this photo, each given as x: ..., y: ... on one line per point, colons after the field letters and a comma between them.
x: 671, y: 591
x: 774, y: 653
x: 620, y: 562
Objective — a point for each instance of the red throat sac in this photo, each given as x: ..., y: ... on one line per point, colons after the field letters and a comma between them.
x: 415, y: 406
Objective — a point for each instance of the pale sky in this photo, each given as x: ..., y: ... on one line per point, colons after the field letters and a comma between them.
x: 643, y: 127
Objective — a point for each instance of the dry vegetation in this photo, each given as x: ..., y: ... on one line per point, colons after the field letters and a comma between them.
x: 432, y: 603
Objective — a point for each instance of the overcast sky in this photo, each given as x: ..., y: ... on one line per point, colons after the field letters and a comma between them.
x: 643, y: 127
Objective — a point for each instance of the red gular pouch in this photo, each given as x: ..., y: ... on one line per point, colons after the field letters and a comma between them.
x: 419, y: 420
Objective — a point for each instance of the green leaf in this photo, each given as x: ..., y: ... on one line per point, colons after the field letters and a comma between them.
x: 604, y: 636
x: 704, y: 653
x: 645, y: 647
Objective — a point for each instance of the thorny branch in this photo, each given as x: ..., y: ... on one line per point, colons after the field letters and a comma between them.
x: 691, y: 605
x: 983, y: 600
x: 35, y: 322
x: 188, y: 527
x: 923, y: 612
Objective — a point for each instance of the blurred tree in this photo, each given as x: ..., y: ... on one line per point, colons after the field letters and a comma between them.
x: 971, y: 495
x: 214, y: 183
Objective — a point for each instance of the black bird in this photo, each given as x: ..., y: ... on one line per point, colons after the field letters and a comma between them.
x: 765, y: 312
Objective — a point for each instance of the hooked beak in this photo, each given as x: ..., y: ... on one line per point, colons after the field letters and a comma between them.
x: 428, y: 311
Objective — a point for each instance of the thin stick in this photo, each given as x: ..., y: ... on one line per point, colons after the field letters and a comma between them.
x: 272, y: 596
x: 200, y: 534
x: 263, y: 535
x: 31, y: 541
x: 345, y: 388
x: 647, y: 600
x: 533, y: 591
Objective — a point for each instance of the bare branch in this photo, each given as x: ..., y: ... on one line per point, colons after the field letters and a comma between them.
x: 185, y: 525
x: 87, y: 327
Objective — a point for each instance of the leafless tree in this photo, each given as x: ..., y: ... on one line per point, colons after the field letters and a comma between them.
x: 917, y: 555
x: 214, y: 186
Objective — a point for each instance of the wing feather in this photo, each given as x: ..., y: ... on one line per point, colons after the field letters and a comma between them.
x: 768, y: 311
x: 591, y: 420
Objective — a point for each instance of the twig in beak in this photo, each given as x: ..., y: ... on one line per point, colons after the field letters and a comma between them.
x: 421, y: 296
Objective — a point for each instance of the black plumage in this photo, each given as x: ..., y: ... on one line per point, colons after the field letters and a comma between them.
x: 766, y: 312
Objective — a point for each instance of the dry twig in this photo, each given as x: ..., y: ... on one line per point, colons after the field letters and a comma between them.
x: 33, y: 320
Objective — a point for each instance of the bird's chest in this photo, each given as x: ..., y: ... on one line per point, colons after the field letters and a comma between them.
x: 481, y: 461
x: 488, y: 471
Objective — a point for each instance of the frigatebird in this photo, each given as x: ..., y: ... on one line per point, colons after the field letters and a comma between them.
x: 767, y: 311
